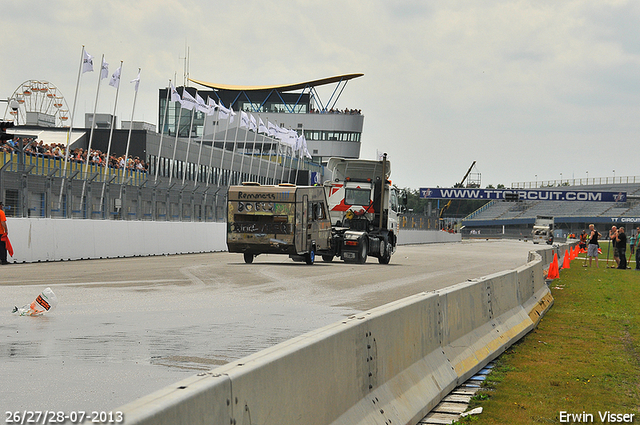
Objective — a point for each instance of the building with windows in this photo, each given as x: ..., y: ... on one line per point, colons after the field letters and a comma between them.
x: 328, y: 130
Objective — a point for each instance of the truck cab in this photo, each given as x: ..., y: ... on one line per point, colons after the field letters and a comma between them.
x: 364, y: 209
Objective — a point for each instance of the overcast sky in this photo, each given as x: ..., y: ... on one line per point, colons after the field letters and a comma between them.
x: 528, y: 89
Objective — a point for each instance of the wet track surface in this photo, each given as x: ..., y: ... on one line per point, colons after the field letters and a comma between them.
x: 124, y: 328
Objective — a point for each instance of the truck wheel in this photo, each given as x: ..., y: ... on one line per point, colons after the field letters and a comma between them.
x: 310, y: 257
x: 327, y: 258
x: 248, y: 258
x: 385, y: 257
x: 363, y: 252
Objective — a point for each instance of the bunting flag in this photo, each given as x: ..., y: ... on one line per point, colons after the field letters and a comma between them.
x: 188, y: 101
x: 261, y: 127
x: 175, y: 96
x: 104, y: 70
x: 115, y: 78
x: 136, y: 81
x: 87, y: 62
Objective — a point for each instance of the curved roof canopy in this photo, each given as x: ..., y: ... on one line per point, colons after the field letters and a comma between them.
x: 283, y: 87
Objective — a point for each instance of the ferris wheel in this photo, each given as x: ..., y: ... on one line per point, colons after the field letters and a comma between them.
x: 39, y: 97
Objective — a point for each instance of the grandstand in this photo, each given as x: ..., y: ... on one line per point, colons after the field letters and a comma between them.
x: 517, y: 218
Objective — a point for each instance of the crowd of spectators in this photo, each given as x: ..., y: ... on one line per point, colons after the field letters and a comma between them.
x: 338, y: 111
x: 57, y: 150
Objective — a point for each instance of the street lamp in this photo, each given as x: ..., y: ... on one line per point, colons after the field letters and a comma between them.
x: 614, y: 176
x: 536, y: 180
x: 560, y: 179
x: 587, y: 177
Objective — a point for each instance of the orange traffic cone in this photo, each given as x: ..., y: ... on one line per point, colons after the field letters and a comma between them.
x: 553, y: 268
x: 574, y: 252
x: 566, y: 261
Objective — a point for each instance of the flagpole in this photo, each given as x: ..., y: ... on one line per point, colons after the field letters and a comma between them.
x: 204, y: 126
x: 233, y: 151
x: 175, y: 144
x: 186, y: 161
x: 298, y: 163
x: 213, y: 143
x: 224, y: 146
x: 93, y: 126
x: 244, y: 148
x: 284, y: 160
x: 260, y: 160
x: 126, y: 154
x: 113, y: 124
x: 73, y: 112
x: 253, y: 149
x: 266, y: 173
x: 164, y: 122
x: 275, y: 164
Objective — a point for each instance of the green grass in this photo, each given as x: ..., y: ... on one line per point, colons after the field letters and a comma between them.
x: 583, y: 357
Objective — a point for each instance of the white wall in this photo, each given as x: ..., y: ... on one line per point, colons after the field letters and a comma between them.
x: 46, y: 239
x: 409, y: 237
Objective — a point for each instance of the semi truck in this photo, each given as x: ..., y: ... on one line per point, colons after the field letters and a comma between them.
x: 542, y: 231
x: 353, y: 216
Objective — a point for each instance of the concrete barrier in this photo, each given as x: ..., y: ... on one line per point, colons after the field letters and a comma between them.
x: 60, y: 239
x: 410, y: 237
x: 389, y: 365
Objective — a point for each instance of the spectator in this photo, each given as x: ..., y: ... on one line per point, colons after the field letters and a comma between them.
x: 593, y: 245
x: 621, y: 243
x: 637, y: 248
x: 4, y: 232
x: 613, y: 233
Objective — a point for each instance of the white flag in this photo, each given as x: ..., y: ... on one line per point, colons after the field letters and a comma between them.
x: 272, y: 129
x: 137, y: 81
x: 232, y: 116
x: 175, y: 96
x: 104, y: 70
x: 261, y: 127
x: 281, y: 133
x: 211, y: 106
x: 305, y: 148
x: 115, y: 78
x: 223, y: 113
x: 200, y: 105
x: 244, y: 119
x: 188, y: 101
x: 87, y: 62
x: 253, y: 125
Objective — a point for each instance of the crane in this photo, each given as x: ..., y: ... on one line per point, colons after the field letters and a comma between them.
x: 461, y: 184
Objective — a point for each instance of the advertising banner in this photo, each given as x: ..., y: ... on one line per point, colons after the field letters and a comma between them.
x: 523, y: 194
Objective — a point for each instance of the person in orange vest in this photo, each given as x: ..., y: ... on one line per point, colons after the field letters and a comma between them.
x: 583, y: 240
x: 4, y: 232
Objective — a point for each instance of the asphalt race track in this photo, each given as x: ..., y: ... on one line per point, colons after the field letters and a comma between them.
x: 126, y: 327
